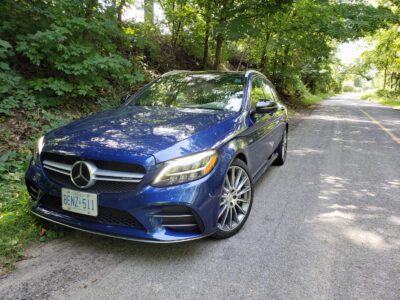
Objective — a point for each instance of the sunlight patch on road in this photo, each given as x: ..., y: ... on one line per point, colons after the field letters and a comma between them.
x: 305, y: 151
x: 368, y: 239
x: 374, y: 208
x: 335, y: 215
x: 333, y: 118
x: 337, y: 206
x: 395, y: 182
x: 394, y: 220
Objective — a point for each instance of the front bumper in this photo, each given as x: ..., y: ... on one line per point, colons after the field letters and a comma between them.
x: 145, y: 204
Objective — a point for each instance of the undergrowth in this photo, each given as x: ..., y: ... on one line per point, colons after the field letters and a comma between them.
x: 18, y: 133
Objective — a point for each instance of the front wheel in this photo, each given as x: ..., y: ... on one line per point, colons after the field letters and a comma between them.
x: 236, y: 200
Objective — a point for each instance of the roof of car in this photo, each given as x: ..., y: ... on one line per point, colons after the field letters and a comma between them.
x: 186, y: 72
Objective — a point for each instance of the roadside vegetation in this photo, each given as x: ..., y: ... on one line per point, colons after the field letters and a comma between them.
x: 61, y: 60
x: 389, y: 98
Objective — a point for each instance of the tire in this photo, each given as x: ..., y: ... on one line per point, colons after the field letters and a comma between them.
x: 281, y: 150
x: 236, y: 202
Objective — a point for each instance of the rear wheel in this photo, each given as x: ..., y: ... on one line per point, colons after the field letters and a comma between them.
x: 282, y: 150
x: 236, y: 200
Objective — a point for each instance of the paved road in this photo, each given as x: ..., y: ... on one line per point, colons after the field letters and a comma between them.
x: 326, y: 225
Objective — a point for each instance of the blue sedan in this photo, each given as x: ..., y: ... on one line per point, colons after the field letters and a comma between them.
x: 177, y: 161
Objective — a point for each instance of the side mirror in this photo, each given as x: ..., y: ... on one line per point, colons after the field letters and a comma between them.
x: 124, y: 98
x: 265, y: 106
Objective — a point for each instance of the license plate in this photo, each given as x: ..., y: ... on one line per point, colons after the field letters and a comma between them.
x: 79, y: 202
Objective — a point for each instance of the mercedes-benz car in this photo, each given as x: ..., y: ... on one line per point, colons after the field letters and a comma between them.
x: 176, y: 161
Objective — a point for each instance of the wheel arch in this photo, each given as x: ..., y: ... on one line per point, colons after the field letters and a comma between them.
x: 241, y: 156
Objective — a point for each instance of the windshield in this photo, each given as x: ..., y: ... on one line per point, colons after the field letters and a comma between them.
x: 200, y: 91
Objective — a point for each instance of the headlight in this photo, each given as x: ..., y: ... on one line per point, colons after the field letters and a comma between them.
x: 187, y: 168
x: 38, y: 149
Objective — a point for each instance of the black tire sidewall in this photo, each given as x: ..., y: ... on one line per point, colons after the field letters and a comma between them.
x: 280, y: 160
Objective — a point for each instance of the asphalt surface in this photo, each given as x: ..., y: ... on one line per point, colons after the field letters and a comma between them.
x: 326, y: 225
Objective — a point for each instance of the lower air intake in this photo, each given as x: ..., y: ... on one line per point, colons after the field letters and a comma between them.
x: 106, y: 215
x: 33, y: 190
x: 180, y: 218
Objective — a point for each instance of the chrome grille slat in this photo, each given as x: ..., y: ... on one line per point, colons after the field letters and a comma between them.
x: 109, y: 176
x: 116, y: 179
x: 117, y: 175
x: 179, y: 225
x: 171, y: 216
x: 98, y: 174
x: 57, y: 167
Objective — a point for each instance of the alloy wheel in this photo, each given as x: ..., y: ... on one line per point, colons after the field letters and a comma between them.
x: 235, y: 200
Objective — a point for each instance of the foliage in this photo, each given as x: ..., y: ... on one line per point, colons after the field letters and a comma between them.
x: 385, y: 97
x: 383, y: 60
x: 14, y: 91
x: 69, y: 51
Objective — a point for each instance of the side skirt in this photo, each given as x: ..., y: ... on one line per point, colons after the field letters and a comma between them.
x: 266, y: 166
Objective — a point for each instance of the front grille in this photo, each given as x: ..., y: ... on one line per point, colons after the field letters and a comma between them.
x: 180, y: 218
x: 106, y: 215
x: 113, y: 177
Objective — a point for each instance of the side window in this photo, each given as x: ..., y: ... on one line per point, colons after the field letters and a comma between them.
x: 275, y: 94
x: 268, y: 91
x: 257, y: 92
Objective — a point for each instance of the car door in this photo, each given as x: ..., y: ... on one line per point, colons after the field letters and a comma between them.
x: 276, y: 122
x: 258, y: 134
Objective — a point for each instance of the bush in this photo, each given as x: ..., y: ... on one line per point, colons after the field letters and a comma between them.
x: 387, y: 93
x: 348, y: 89
x: 14, y: 90
x: 385, y: 97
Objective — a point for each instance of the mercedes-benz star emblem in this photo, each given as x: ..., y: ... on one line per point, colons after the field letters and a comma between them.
x: 81, y: 174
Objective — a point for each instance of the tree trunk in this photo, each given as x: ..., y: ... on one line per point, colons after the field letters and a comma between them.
x: 217, y: 62
x: 119, y: 12
x: 391, y: 80
x: 384, y: 77
x: 244, y: 53
x: 275, y: 63
x: 173, y: 24
x: 207, y: 36
x: 88, y: 16
x: 220, y: 37
x: 149, y: 11
x: 285, y: 54
x: 264, y: 52
x: 176, y: 35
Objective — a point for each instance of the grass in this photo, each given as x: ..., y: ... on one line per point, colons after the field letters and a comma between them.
x: 388, y: 98
x: 314, y: 99
x: 308, y: 100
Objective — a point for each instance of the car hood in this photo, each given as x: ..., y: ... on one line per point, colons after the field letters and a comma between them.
x: 148, y: 130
